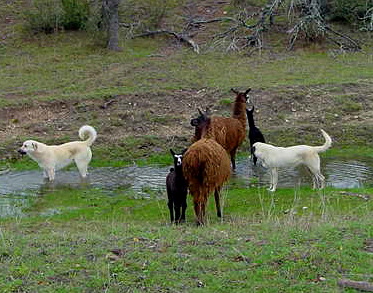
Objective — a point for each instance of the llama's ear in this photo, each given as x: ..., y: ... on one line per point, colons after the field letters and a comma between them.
x: 184, y: 151
x: 235, y: 91
x: 172, y: 152
x: 199, y: 111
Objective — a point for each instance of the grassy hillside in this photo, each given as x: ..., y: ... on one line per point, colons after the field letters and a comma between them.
x: 141, y: 100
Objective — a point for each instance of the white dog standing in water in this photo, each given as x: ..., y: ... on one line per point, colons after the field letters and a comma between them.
x: 54, y: 157
x: 274, y: 157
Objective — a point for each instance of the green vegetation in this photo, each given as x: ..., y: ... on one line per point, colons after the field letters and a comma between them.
x: 84, y: 240
x: 74, y: 69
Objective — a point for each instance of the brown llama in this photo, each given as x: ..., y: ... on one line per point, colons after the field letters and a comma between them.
x: 229, y: 132
x: 206, y: 167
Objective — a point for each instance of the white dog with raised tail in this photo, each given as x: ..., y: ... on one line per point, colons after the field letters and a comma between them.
x: 54, y: 157
x: 274, y: 157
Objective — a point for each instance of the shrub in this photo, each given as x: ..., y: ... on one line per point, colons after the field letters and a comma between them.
x: 45, y: 16
x: 51, y: 15
x: 347, y: 11
x: 76, y: 14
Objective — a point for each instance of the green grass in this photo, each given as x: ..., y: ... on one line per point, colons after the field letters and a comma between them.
x: 282, y: 242
x: 67, y: 65
x: 266, y: 243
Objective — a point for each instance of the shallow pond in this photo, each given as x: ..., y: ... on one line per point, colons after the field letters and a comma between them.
x: 17, y: 186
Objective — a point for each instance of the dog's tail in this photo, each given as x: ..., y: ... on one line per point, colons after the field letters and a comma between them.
x: 326, y: 145
x: 90, y: 131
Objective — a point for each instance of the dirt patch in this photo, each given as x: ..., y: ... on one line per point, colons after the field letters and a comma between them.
x: 285, y: 116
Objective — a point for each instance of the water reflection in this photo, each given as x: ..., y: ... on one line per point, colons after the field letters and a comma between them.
x: 15, y: 187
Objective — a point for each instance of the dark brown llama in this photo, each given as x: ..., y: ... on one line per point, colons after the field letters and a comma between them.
x: 206, y: 167
x: 229, y: 132
x: 177, y: 189
x: 255, y: 135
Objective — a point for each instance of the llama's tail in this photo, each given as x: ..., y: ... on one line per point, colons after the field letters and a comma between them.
x: 326, y: 145
x: 90, y: 131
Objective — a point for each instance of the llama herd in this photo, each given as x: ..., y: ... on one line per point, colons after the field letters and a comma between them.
x: 206, y: 165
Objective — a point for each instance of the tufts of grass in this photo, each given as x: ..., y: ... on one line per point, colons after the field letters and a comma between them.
x: 89, y: 240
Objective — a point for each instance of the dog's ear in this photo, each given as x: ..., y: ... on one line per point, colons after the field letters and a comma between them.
x: 184, y: 151
x: 35, y: 146
x: 172, y: 152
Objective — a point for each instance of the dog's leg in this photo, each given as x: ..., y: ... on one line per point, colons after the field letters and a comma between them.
x: 274, y: 179
x: 82, y: 167
x: 314, y: 167
x: 51, y: 173
x: 320, y: 180
x: 45, y: 174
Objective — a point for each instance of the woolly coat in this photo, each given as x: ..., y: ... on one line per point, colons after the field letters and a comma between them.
x: 229, y: 132
x: 206, y: 166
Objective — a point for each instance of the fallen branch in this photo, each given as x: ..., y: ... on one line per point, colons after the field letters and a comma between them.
x: 107, y: 104
x: 179, y: 37
x: 363, y: 196
x: 351, y: 45
x: 363, y: 286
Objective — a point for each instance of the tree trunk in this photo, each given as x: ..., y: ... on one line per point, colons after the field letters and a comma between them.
x: 110, y: 14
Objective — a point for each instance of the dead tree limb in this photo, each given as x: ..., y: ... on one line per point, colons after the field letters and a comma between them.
x: 180, y: 37
x: 362, y: 286
x: 359, y: 195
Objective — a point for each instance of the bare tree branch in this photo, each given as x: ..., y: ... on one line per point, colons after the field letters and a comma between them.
x: 178, y: 36
x: 362, y: 286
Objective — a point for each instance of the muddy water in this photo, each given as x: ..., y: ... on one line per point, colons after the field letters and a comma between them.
x: 16, y: 187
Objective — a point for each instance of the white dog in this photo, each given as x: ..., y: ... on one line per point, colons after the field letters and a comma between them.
x: 275, y: 157
x: 54, y: 157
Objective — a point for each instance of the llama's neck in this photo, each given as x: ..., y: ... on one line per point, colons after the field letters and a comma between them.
x: 250, y: 119
x: 239, y: 112
x: 178, y: 170
x: 204, y: 130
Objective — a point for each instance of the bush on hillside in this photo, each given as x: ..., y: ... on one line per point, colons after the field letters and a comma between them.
x: 76, y: 13
x: 45, y: 16
x: 49, y: 16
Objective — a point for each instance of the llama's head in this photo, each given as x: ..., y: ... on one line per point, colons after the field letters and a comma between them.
x: 250, y: 111
x: 202, y: 119
x: 241, y: 97
x: 178, y: 158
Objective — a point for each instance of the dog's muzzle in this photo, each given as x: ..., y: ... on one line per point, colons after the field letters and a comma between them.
x: 22, y: 152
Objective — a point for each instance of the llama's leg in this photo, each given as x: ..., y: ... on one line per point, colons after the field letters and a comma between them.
x: 274, y: 179
x: 199, y: 209
x: 170, y: 205
x: 217, y: 202
x: 233, y: 158
x: 255, y: 159
x: 177, y: 209
x: 183, y: 209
